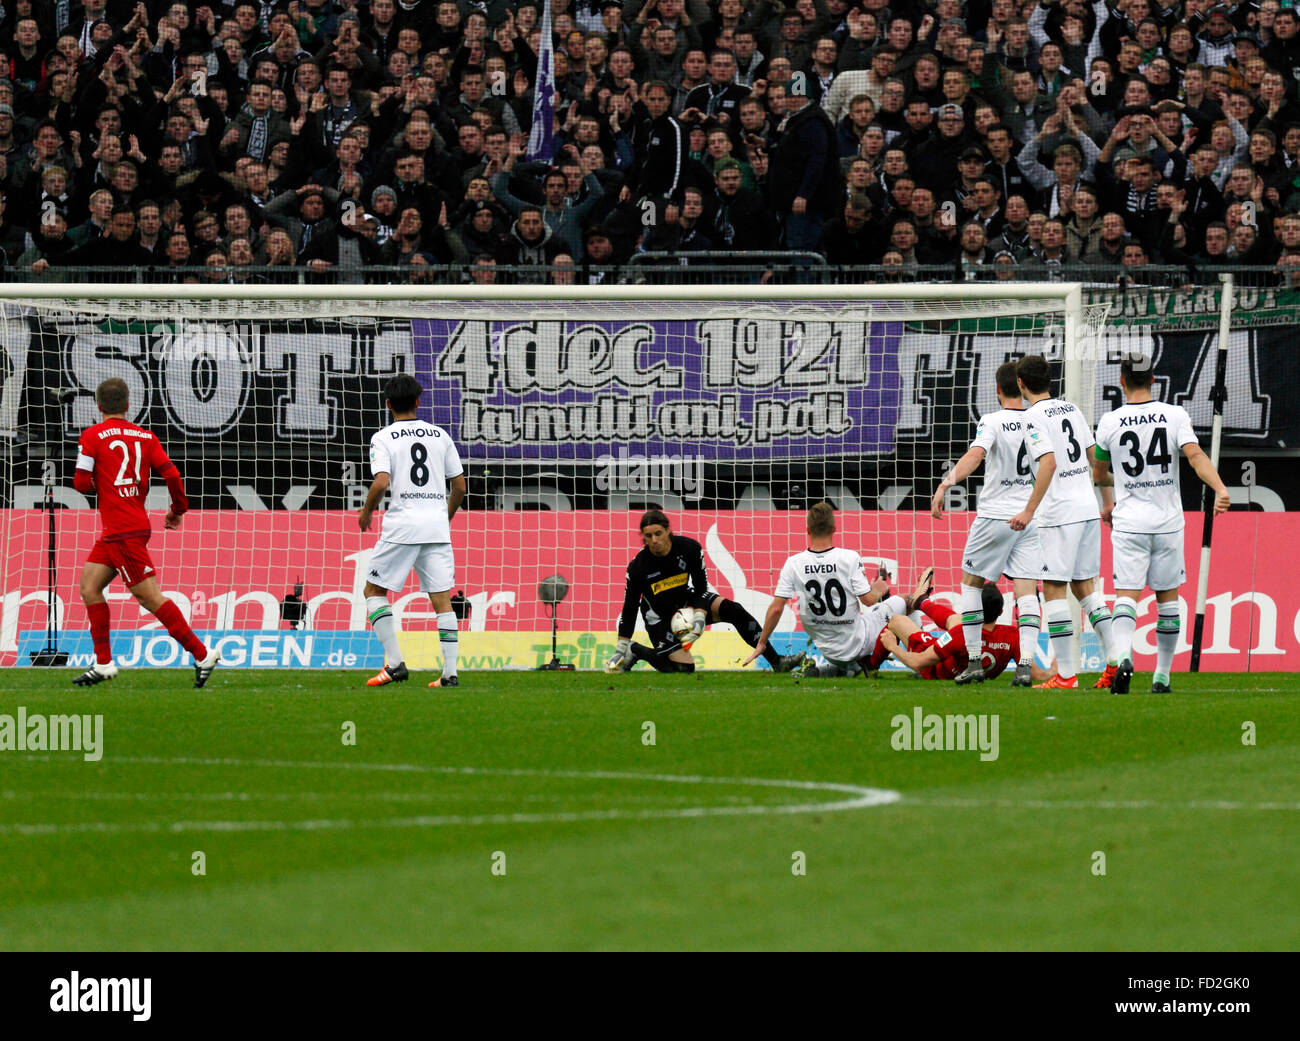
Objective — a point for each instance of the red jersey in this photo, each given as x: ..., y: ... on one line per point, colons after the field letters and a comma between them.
x: 115, y: 458
x: 1001, y: 647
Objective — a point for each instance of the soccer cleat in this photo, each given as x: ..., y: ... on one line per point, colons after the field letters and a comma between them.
x: 389, y: 674
x: 1059, y: 682
x: 1123, y: 677
x: 973, y: 673
x: 1161, y: 688
x: 1024, y: 675
x: 924, y: 587
x: 204, y: 669
x: 446, y: 681
x: 1105, y: 680
x: 96, y: 674
x: 790, y: 662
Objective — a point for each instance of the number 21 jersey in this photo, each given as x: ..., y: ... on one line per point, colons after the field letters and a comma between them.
x: 828, y: 584
x: 419, y: 459
x: 1143, y: 442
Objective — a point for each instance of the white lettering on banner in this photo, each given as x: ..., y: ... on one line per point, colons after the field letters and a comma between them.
x: 207, y: 371
x: 16, y: 342
x: 739, y: 354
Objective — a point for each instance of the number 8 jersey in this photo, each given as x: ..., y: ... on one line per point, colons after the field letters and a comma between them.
x: 419, y: 459
x: 828, y: 583
x: 1143, y: 442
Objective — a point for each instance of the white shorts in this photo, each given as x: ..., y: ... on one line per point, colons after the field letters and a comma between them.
x: 876, y: 618
x: 993, y: 549
x: 1071, y: 552
x: 391, y: 564
x: 1141, y: 560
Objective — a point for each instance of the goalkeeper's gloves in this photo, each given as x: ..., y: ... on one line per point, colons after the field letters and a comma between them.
x: 697, y: 628
x: 619, y: 662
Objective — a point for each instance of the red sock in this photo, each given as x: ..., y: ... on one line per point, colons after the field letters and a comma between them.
x: 169, y: 614
x: 936, y: 611
x: 99, y: 632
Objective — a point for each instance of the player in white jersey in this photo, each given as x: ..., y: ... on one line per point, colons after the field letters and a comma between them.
x: 993, y: 549
x: 841, y: 612
x: 1069, y: 522
x: 1137, y: 450
x: 415, y: 461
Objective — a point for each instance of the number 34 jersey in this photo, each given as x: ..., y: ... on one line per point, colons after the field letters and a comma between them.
x: 1143, y: 442
x: 419, y: 459
x: 1069, y: 497
x: 828, y: 583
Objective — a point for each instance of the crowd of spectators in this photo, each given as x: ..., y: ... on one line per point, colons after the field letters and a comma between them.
x: 246, y: 140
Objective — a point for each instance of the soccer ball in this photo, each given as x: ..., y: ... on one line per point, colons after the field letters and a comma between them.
x: 682, y: 623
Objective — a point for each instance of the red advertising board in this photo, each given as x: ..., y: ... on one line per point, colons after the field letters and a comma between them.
x: 230, y: 569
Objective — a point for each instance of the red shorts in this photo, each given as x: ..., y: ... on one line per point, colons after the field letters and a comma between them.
x: 128, y: 557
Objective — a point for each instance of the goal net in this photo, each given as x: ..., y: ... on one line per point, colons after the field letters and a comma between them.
x: 732, y: 408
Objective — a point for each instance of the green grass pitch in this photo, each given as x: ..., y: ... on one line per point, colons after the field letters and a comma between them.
x: 608, y: 842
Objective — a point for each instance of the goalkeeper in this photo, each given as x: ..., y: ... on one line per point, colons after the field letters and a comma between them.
x: 667, y: 576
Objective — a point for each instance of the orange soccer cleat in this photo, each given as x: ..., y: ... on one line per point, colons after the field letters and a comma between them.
x: 1059, y: 682
x: 1105, y: 679
x: 389, y: 674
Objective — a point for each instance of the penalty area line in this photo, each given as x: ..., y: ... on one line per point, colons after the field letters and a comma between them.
x: 858, y: 798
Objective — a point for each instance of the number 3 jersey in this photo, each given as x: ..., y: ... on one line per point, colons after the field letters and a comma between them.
x: 1069, y: 497
x: 828, y: 583
x: 115, y: 458
x: 1143, y: 442
x: 419, y: 459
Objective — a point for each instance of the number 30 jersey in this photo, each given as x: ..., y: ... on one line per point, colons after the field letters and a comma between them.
x: 1143, y: 442
x: 1070, y: 498
x: 828, y: 583
x: 419, y: 459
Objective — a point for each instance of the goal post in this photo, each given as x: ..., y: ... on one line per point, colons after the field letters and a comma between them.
x: 573, y: 408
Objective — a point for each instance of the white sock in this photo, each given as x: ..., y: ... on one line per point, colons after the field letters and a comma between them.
x: 447, y: 636
x: 1123, y: 624
x: 1098, y: 615
x: 1029, y: 623
x: 1060, y: 628
x: 972, y: 620
x: 1168, y: 624
x: 381, y: 619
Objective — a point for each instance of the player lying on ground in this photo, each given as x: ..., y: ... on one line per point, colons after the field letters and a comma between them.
x: 840, y: 611
x: 667, y: 576
x: 1007, y: 443
x: 945, y: 656
x: 1069, y: 522
x: 115, y: 458
x: 1135, y: 441
x: 414, y: 460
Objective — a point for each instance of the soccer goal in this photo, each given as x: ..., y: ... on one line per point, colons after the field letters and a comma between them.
x: 732, y: 408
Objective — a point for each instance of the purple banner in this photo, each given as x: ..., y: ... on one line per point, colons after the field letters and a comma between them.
x: 744, y: 390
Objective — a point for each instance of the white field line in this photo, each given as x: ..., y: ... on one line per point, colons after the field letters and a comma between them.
x: 859, y: 798
x: 1094, y: 804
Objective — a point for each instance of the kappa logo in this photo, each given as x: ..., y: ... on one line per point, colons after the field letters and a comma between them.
x: 1044, y: 567
x: 374, y: 572
x: 968, y: 562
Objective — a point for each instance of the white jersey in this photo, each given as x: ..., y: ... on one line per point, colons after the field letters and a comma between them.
x: 419, y: 459
x: 1008, y: 466
x: 828, y: 583
x: 1143, y: 442
x: 1070, y: 498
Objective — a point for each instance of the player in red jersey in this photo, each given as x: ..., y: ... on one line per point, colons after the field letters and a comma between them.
x: 943, y: 657
x: 115, y: 458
